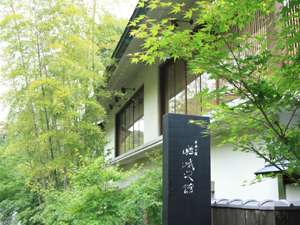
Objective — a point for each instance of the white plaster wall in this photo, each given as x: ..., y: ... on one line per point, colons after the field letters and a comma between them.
x: 109, y: 150
x: 293, y: 193
x: 231, y: 169
x: 151, y: 103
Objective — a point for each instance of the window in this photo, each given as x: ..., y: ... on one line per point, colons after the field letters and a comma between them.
x: 293, y: 25
x: 180, y: 89
x: 130, y: 124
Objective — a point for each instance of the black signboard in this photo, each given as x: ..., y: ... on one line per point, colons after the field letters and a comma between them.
x: 186, y: 178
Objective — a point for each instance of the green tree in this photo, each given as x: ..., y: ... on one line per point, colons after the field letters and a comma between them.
x: 95, y: 197
x: 14, y: 195
x: 143, y: 198
x: 55, y: 55
x: 260, y: 69
x: 103, y: 194
x: 17, y: 202
x: 54, y: 111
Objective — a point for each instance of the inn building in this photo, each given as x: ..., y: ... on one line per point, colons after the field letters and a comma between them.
x: 135, y: 121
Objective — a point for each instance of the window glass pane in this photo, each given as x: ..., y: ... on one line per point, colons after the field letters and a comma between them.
x: 136, y: 113
x: 128, y: 119
x: 180, y: 83
x: 141, y: 129
x: 130, y: 129
x: 180, y: 77
x: 136, y: 138
x: 131, y: 146
x: 121, y: 131
x: 170, y: 89
x: 193, y: 99
x: 172, y: 105
x: 181, y: 90
x: 208, y: 85
x: 138, y: 132
x: 130, y: 113
x: 140, y: 105
x: 180, y: 102
x: 174, y: 80
x: 229, y: 96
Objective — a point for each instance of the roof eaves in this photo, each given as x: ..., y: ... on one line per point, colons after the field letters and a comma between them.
x: 126, y: 37
x: 268, y: 169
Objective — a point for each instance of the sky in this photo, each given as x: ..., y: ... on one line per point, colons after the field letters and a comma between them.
x: 119, y: 8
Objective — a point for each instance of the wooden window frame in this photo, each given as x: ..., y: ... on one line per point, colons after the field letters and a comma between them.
x: 117, y: 120
x: 162, y: 90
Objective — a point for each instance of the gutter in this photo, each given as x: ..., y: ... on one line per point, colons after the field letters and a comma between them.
x: 137, y: 153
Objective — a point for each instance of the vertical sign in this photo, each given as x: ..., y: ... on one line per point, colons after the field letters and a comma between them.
x: 186, y: 175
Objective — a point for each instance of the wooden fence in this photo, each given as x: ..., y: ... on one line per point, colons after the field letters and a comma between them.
x: 237, y: 212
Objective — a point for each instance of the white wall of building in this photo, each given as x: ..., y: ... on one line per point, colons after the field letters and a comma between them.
x: 293, y: 193
x: 151, y: 103
x: 109, y: 149
x: 233, y: 173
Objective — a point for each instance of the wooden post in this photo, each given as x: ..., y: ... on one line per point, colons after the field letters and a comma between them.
x: 281, y: 187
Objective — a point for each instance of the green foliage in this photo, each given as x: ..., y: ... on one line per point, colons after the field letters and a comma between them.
x: 52, y: 169
x: 51, y: 164
x: 53, y: 72
x: 93, y: 199
x: 99, y: 196
x: 260, y: 70
x: 143, y: 199
x: 17, y: 202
